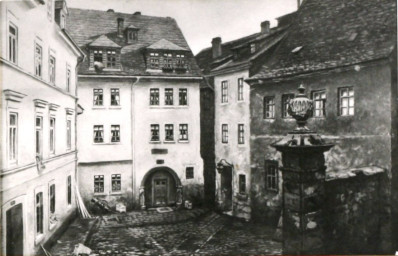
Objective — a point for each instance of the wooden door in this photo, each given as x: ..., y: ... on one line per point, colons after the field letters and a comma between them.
x: 14, y: 233
x: 226, y: 186
x: 160, y: 192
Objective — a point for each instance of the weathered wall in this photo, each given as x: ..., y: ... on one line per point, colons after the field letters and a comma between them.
x: 207, y: 143
x: 361, y: 140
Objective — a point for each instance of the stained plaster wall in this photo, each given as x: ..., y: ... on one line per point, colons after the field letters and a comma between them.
x: 360, y: 140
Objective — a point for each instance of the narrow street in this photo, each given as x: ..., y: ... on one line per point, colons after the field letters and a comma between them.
x: 207, y: 233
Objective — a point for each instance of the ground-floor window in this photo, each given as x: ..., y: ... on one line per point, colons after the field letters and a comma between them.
x: 52, y: 198
x: 98, y: 183
x: 189, y: 174
x: 242, y: 183
x: 271, y: 171
x: 39, y: 213
x: 116, y: 182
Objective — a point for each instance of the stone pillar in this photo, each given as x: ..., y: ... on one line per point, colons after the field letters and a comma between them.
x: 142, y: 198
x: 303, y: 175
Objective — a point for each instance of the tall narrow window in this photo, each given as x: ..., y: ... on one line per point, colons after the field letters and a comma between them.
x: 224, y: 133
x: 346, y: 101
x: 97, y: 56
x: 224, y: 91
x: 241, y: 134
x: 98, y: 133
x: 13, y: 137
x: 183, y: 97
x: 115, y: 132
x: 12, y: 43
x: 155, y: 132
x: 98, y: 97
x: 285, y: 104
x: 68, y: 134
x: 52, y: 198
x: 271, y: 171
x: 252, y: 48
x: 98, y: 183
x: 269, y: 107
x: 50, y: 9
x: 319, y: 98
x: 52, y: 135
x: 68, y: 78
x: 169, y: 128
x: 183, y: 132
x: 111, y: 59
x: 39, y: 137
x: 116, y: 182
x: 51, y: 67
x: 240, y: 89
x: 115, y: 97
x: 189, y: 173
x: 39, y: 213
x: 154, y: 96
x: 69, y: 190
x: 242, y: 183
x: 38, y: 60
x: 168, y: 96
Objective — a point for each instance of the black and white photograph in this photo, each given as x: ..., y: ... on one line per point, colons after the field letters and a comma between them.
x: 198, y: 127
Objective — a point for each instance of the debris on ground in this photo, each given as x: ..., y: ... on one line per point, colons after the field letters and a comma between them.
x: 81, y: 249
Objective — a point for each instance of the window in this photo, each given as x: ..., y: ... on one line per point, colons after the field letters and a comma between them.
x: 183, y: 97
x: 154, y: 60
x: 319, y: 99
x: 271, y: 171
x: 111, y: 59
x: 180, y: 62
x: 224, y: 91
x: 183, y: 132
x: 12, y: 43
x: 39, y: 130
x: 12, y: 137
x: 68, y: 78
x: 169, y: 132
x: 68, y: 134
x: 115, y: 131
x: 98, y: 97
x: 252, y: 48
x: 154, y: 96
x: 269, y: 107
x: 69, y: 190
x: 115, y: 97
x: 240, y: 89
x: 155, y: 132
x: 346, y: 101
x: 98, y: 183
x: 52, y: 198
x: 116, y: 182
x: 98, y: 133
x: 285, y: 104
x: 52, y: 135
x: 98, y: 56
x: 38, y: 60
x: 189, y: 174
x: 168, y: 96
x: 39, y: 213
x: 242, y: 183
x: 133, y: 35
x: 51, y: 67
x: 50, y: 9
x: 241, y: 134
x: 224, y: 133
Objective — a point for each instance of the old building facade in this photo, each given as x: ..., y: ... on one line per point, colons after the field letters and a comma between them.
x: 226, y: 66
x: 351, y: 77
x: 140, y: 134
x: 38, y: 105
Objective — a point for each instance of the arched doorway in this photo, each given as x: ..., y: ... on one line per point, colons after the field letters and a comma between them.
x: 162, y: 187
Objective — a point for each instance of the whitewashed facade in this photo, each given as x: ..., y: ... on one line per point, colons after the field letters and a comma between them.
x: 38, y: 105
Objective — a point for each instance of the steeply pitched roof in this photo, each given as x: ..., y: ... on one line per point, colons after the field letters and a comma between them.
x: 164, y: 44
x: 87, y: 25
x: 333, y: 33
x: 104, y: 41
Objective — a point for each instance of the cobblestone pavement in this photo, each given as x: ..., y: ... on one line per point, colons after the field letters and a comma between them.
x: 209, y: 233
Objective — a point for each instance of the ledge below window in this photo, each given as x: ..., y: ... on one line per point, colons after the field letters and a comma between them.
x: 155, y: 142
x: 169, y: 142
x: 116, y: 193
x: 183, y: 141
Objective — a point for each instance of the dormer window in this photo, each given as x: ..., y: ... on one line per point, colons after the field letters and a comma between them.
x: 132, y: 35
x: 97, y: 56
x: 111, y: 59
x: 252, y: 48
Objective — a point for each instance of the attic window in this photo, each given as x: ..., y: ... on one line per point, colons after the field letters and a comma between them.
x: 180, y: 56
x: 167, y: 55
x: 133, y: 36
x: 97, y: 56
x: 252, y: 48
x: 153, y: 54
x: 297, y: 49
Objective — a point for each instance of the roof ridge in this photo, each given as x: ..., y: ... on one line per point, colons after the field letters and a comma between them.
x: 123, y: 13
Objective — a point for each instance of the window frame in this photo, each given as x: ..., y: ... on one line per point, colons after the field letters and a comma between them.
x: 285, y: 104
x: 224, y: 133
x: 69, y: 190
x: 183, y: 96
x: 52, y: 71
x: 96, y: 54
x: 241, y: 134
x: 168, y: 97
x: 155, y: 127
x: 12, y: 144
x: 224, y: 91
x: 240, y: 89
x: 12, y: 52
x: 117, y: 180
x: 115, y: 92
x: 39, y: 213
x: 184, y: 135
x: 169, y: 131
x: 68, y: 77
x: 98, y: 92
x: 189, y: 172
x: 154, y: 96
x: 115, y: 128
x: 253, y: 48
x: 51, y: 199
x: 242, y: 183
x: 322, y: 103
x: 68, y: 134
x: 111, y: 59
x: 39, y: 133
x: 271, y: 105
x: 99, y: 180
x: 100, y: 128
x: 271, y: 179
x: 38, y: 63
x: 52, y: 135
x: 348, y: 97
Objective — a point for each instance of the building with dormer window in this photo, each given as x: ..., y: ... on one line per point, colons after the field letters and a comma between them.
x: 140, y: 90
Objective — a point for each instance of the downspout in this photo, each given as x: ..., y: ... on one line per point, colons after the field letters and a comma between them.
x: 132, y: 119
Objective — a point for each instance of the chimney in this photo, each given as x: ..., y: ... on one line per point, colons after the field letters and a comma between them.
x: 137, y: 13
x: 265, y: 27
x: 110, y: 10
x: 299, y: 3
x: 216, y: 47
x: 120, y: 24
